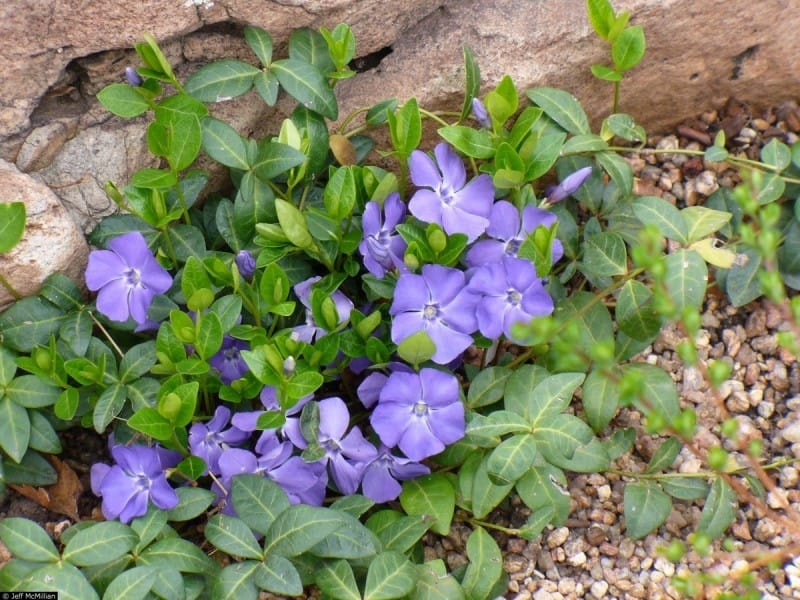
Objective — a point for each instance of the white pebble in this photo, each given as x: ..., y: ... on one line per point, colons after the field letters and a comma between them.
x: 599, y: 589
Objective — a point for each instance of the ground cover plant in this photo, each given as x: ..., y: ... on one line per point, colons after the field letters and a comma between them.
x: 333, y: 358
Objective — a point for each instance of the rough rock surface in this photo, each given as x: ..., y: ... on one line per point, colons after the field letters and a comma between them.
x: 51, y: 243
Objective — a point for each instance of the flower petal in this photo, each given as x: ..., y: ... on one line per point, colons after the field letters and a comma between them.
x: 333, y: 418
x: 411, y: 294
x: 395, y: 210
x: 444, y: 283
x: 457, y: 220
x: 112, y: 300
x: 503, y: 221
x: 438, y: 388
x: 426, y: 205
x: 371, y: 219
x: 454, y: 174
x: 378, y: 484
x: 103, y: 267
x: 418, y: 441
x: 423, y: 171
x: 449, y: 343
x: 162, y: 495
x: 448, y: 423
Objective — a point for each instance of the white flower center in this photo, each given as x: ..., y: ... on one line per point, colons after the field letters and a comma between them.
x: 133, y: 277
x: 513, y: 296
x: 420, y: 409
x: 430, y: 311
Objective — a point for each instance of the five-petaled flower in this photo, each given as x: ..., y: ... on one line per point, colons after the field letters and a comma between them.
x: 509, y: 292
x: 126, y: 278
x: 382, y: 248
x: 228, y: 360
x: 381, y: 476
x: 508, y: 233
x: 419, y: 412
x: 138, y: 476
x: 437, y: 302
x: 209, y: 440
x: 445, y: 197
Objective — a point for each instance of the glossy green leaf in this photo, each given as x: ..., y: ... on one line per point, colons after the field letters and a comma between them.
x: 519, y: 390
x: 646, y: 507
x: 232, y: 536
x: 719, y: 509
x: 604, y: 254
x: 511, y: 459
x: 222, y: 143
x: 306, y: 84
x: 29, y: 323
x: 560, y: 435
x: 137, y: 361
x: 686, y: 487
x: 742, y: 281
x: 390, y: 575
x: 434, y: 583
x: 60, y: 577
x: 124, y: 100
x: 627, y: 50
x: 76, y: 331
x: 336, y: 579
x: 485, y: 495
x: 179, y: 554
x: 15, y: 428
x: 187, y: 240
x: 192, y: 502
x: 664, y: 455
x: 485, y: 565
x: 472, y: 83
x: 702, y: 221
x: 350, y: 540
x: 397, y: 532
x: 475, y: 143
x: 27, y: 540
x: 133, y: 584
x: 771, y: 188
x: 221, y: 80
x: 619, y: 169
x: 100, y: 543
x: 236, y: 582
x: 109, y: 405
x: 623, y: 126
x: 405, y: 127
x: 652, y: 210
x: 583, y: 143
x: 278, y: 575
x: 686, y: 279
x: 487, y: 386
x: 260, y: 43
x: 31, y: 391
x: 544, y: 487
x: 659, y: 392
x: 634, y: 311
x: 431, y: 495
x: 776, y: 154
x: 12, y: 224
x: 32, y: 470
x: 601, y: 16
x: 552, y: 395
x: 606, y: 73
x: 600, y: 399
x: 562, y: 107
x: 416, y: 348
x: 148, y: 421
x: 274, y: 158
x: 299, y: 528
x: 541, y: 153
x: 43, y: 436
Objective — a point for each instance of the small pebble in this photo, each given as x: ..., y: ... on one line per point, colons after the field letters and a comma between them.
x: 599, y: 589
x: 557, y: 537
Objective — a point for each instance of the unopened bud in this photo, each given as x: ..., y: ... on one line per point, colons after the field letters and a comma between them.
x: 480, y: 113
x: 289, y: 366
x: 246, y: 264
x: 133, y: 77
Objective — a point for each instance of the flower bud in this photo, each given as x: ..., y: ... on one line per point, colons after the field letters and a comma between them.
x: 569, y: 186
x: 289, y: 366
x: 133, y: 77
x: 480, y: 113
x: 246, y: 264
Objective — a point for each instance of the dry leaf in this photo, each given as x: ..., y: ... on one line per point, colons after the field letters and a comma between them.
x: 62, y: 496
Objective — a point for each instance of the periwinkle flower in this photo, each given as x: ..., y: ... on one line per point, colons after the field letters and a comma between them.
x: 437, y: 302
x: 508, y: 292
x: 345, y: 455
x: 382, y: 248
x: 245, y: 263
x: 228, y: 360
x: 209, y: 440
x: 445, y: 197
x: 480, y: 113
x: 370, y: 388
x: 309, y: 331
x: 381, y: 476
x: 126, y: 278
x: 508, y: 233
x: 569, y: 185
x: 133, y: 77
x: 248, y: 420
x: 138, y: 476
x: 419, y: 412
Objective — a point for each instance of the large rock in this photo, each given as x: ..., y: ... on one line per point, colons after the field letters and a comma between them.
x: 51, y: 242
x: 56, y: 55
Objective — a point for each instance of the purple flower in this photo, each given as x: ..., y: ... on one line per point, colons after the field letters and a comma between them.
x: 138, y: 476
x: 307, y: 333
x: 248, y: 420
x: 569, y: 186
x: 419, y: 412
x: 509, y: 292
x: 382, y: 248
x: 509, y: 233
x: 369, y: 390
x: 228, y: 360
x: 381, y: 476
x: 208, y: 440
x: 437, y: 302
x: 126, y: 278
x: 480, y: 113
x: 345, y: 455
x: 445, y: 196
x: 246, y: 264
x: 133, y: 77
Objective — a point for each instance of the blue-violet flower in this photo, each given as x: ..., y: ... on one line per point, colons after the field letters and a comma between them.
x: 382, y: 248
x: 381, y: 476
x: 228, y: 360
x: 245, y: 263
x: 310, y: 330
x: 570, y: 185
x: 209, y: 440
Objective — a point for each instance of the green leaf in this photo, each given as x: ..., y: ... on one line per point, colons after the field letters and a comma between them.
x: 635, y: 313
x: 719, y: 509
x: 627, y: 50
x: 619, y: 169
x: 771, y: 188
x: 124, y: 100
x: 8, y: 367
x: 31, y: 391
x: 485, y: 565
x: 27, y: 540
x: 43, y: 437
x: 715, y: 154
x: 187, y: 240
x: 685, y: 488
x: 109, y: 405
x: 405, y: 127
x: 431, y: 495
x: 390, y: 575
x: 540, y: 154
x: 179, y: 554
x: 29, y: 323
x: 702, y: 221
x: 99, y: 544
x: 306, y: 84
x: 586, y: 142
x: 485, y: 494
x: 646, y: 507
x: 299, y: 528
x: 336, y: 579
x: 562, y: 107
x: 605, y: 73
x: 274, y: 158
x: 149, y: 526
x: 776, y: 154
x: 149, y: 421
x: 137, y: 361
x: 260, y: 43
x: 397, y: 532
x: 133, y: 584
x: 32, y: 470
x: 664, y: 455
x: 472, y: 83
x: 232, y: 536
x: 652, y: 210
x: 153, y: 179
x: 15, y: 428
x: 354, y: 505
x: 624, y: 126
x: 587, y: 458
x: 511, y: 459
x: 221, y: 80
x: 192, y: 503
x: 600, y: 398
x: 222, y: 143
x: 433, y: 583
x: 12, y: 224
x: 279, y: 576
x: 487, y: 386
x: 416, y: 348
x: 236, y: 581
x: 604, y: 254
x: 475, y: 143
x: 267, y: 86
x: 309, y: 46
x: 351, y: 540
x: 601, y: 16
x: 293, y: 223
x: 559, y: 436
x: 742, y: 282
x: 76, y: 331
x: 552, y: 395
x: 519, y: 389
x: 686, y: 279
x: 659, y: 392
x: 60, y: 577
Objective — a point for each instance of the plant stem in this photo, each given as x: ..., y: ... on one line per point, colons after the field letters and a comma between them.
x: 106, y: 334
x: 6, y: 284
